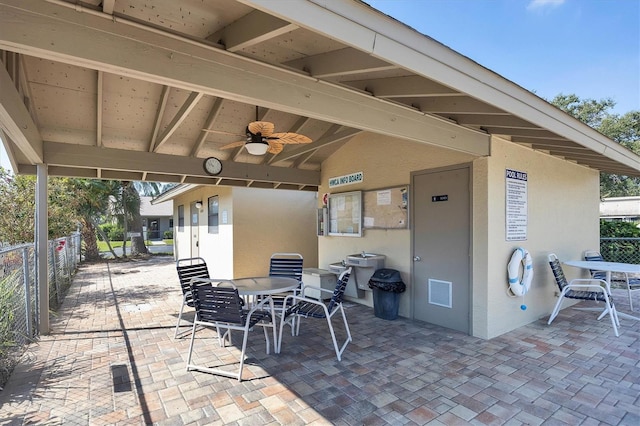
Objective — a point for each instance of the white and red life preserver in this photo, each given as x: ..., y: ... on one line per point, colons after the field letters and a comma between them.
x: 519, y: 284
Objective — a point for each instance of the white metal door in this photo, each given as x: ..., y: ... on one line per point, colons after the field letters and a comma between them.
x: 441, y: 247
x: 195, y: 230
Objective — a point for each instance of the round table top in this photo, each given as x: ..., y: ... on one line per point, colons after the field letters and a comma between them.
x: 604, y: 266
x: 255, y: 286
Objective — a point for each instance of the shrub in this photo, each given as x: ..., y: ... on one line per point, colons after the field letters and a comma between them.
x: 618, y: 229
x: 168, y: 235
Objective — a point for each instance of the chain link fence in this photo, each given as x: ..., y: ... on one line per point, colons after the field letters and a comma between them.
x: 19, y: 295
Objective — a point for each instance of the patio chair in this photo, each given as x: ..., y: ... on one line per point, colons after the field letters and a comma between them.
x: 219, y: 305
x: 188, y: 269
x: 596, y: 257
x: 632, y: 284
x: 287, y: 265
x: 582, y: 289
x: 301, y: 307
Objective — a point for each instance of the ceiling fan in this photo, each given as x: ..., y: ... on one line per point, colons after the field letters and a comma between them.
x: 260, y: 139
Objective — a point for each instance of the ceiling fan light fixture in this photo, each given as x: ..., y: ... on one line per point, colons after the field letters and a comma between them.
x: 257, y: 148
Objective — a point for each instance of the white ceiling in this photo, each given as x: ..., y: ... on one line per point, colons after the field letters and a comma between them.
x: 126, y: 89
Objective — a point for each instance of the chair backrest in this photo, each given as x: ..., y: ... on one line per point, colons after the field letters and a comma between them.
x: 593, y: 255
x: 193, y: 267
x: 338, y: 293
x: 286, y: 265
x: 217, y: 301
x: 558, y: 273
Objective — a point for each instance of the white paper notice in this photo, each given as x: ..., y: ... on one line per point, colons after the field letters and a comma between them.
x: 384, y: 198
x: 516, y: 203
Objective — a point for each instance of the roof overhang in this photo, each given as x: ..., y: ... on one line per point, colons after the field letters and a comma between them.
x: 110, y: 90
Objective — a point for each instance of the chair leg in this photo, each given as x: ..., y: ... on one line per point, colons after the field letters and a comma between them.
x: 184, y: 301
x: 556, y: 309
x: 333, y: 336
x: 244, y: 348
x: 630, y: 298
x: 193, y: 335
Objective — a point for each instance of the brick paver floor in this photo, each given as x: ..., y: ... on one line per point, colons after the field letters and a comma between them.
x: 111, y: 359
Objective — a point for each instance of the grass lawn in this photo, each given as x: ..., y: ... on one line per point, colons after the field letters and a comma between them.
x: 102, y: 246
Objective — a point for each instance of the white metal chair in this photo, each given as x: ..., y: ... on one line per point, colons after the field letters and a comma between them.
x: 582, y: 289
x: 219, y: 305
x: 301, y: 307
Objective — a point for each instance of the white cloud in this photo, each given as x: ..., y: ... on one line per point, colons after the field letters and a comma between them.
x: 539, y: 4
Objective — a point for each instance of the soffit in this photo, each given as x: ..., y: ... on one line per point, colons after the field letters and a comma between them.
x: 126, y: 89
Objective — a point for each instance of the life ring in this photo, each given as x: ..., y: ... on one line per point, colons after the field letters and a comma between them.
x: 519, y: 286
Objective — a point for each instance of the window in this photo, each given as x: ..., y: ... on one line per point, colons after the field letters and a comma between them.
x: 171, y: 223
x: 213, y: 208
x: 180, y: 218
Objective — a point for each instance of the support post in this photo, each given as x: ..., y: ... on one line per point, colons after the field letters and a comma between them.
x: 42, y: 251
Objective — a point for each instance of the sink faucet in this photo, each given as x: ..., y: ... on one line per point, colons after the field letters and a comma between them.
x: 364, y: 254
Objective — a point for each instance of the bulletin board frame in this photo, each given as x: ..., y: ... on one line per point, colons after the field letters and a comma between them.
x: 345, y: 214
x: 386, y: 208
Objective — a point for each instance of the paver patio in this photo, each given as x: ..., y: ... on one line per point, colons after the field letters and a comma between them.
x: 111, y: 359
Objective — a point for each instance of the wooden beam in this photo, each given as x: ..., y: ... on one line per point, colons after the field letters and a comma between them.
x: 16, y: 121
x: 58, y: 32
x: 137, y: 162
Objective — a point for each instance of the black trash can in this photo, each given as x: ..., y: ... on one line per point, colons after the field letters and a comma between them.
x: 386, y: 285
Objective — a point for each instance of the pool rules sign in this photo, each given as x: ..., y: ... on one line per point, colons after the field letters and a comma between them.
x: 516, y: 200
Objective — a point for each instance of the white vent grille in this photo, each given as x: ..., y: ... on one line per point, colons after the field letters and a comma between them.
x: 440, y: 293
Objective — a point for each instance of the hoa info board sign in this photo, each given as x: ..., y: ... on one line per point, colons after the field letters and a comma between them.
x: 516, y: 204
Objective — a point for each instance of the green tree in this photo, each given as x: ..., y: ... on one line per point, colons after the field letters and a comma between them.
x: 17, y: 214
x: 624, y: 129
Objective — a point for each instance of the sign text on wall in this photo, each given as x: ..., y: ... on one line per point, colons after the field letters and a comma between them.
x: 357, y: 177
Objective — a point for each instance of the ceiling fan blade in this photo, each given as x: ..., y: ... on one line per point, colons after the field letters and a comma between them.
x: 233, y: 145
x: 222, y: 132
x: 275, y: 147
x: 263, y: 127
x: 289, y: 138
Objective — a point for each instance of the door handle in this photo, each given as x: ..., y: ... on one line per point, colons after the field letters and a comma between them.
x: 417, y: 258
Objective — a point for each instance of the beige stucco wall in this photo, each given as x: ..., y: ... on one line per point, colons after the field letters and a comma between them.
x: 269, y: 221
x: 259, y: 222
x: 385, y: 162
x: 563, y: 217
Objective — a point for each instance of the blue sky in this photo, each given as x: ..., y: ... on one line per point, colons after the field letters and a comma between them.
x: 587, y: 47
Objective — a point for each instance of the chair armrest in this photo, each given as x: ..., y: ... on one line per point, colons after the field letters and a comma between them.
x: 596, y: 284
x: 296, y: 298
x: 305, y: 286
x: 260, y: 305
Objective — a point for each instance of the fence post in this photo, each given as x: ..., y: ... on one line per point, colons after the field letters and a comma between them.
x: 27, y: 292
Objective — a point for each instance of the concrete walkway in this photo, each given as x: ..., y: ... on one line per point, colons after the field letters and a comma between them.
x: 111, y: 359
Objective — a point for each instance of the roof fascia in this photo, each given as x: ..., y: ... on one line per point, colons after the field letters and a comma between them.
x: 359, y: 25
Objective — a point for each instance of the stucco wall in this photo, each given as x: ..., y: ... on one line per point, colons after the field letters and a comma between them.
x: 216, y: 249
x: 385, y: 162
x: 259, y: 222
x: 563, y: 217
x: 269, y: 221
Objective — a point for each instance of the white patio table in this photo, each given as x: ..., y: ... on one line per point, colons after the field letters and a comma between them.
x: 608, y: 268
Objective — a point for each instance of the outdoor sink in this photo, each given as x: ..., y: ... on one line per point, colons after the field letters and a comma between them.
x: 337, y: 267
x: 365, y: 260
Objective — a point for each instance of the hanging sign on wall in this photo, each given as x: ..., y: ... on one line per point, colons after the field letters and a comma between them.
x: 516, y: 203
x: 357, y: 177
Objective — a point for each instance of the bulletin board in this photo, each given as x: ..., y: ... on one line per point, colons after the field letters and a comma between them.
x: 386, y: 208
x: 345, y: 214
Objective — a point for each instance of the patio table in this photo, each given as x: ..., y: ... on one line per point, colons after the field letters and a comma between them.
x: 608, y: 268
x: 265, y: 286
